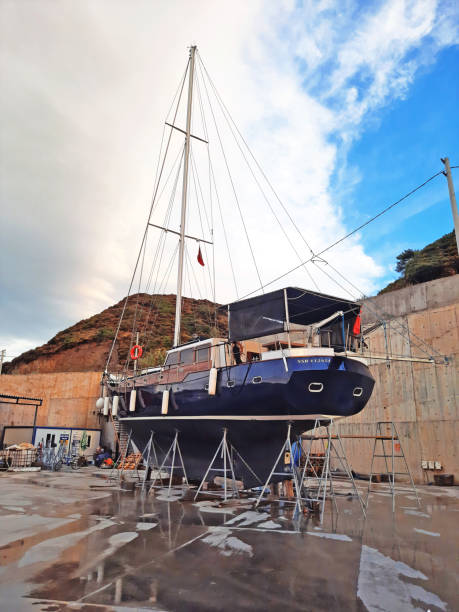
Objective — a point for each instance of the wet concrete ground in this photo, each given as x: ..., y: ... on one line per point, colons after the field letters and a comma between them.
x: 70, y: 541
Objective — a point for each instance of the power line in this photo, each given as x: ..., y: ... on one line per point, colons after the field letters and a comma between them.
x: 346, y: 236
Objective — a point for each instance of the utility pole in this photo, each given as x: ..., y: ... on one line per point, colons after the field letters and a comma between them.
x: 452, y: 197
x: 2, y: 357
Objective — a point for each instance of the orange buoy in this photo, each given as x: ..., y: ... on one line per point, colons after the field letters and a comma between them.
x: 136, y: 352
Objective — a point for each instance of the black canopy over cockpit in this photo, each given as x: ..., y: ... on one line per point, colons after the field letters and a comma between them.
x: 287, y: 309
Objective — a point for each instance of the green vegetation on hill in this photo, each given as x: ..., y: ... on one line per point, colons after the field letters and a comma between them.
x: 438, y: 259
x: 151, y: 315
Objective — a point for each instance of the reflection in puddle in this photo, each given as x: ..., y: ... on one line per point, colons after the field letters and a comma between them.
x: 133, y: 550
x: 430, y: 533
x: 381, y: 586
x: 222, y: 538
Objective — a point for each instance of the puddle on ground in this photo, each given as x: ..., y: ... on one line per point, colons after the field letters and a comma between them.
x: 128, y: 550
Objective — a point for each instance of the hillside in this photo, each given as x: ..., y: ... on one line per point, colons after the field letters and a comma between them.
x: 438, y: 259
x: 85, y: 345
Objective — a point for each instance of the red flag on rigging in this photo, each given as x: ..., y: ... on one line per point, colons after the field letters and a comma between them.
x: 356, y: 328
x: 200, y: 259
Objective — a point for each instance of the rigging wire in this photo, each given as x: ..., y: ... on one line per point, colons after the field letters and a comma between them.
x: 233, y: 187
x: 162, y: 242
x: 197, y: 184
x: 394, y: 321
x: 146, y: 226
x: 224, y: 233
x: 160, y: 246
x: 234, y: 130
x: 159, y: 172
x: 206, y: 135
x: 329, y: 247
x: 134, y: 320
x: 148, y: 332
x: 228, y: 114
x: 201, y: 297
x: 285, y: 209
x: 188, y: 277
x: 213, y: 183
x: 167, y: 215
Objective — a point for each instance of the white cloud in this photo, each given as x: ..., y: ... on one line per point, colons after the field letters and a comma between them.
x: 87, y: 86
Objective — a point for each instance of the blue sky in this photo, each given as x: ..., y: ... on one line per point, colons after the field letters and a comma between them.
x: 347, y: 105
x: 400, y: 150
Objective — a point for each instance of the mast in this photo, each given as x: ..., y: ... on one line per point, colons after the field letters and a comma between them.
x: 178, y: 304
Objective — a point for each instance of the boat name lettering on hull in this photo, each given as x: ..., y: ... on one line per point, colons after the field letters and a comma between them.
x: 315, y: 360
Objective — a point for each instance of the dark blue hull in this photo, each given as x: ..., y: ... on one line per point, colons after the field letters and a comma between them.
x: 255, y: 412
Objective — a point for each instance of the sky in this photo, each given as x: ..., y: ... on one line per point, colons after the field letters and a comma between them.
x: 346, y: 106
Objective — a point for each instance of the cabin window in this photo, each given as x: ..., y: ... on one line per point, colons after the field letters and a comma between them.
x: 315, y: 387
x: 172, y: 359
x: 230, y: 383
x: 202, y: 354
x: 357, y: 392
x: 186, y: 356
x: 256, y: 380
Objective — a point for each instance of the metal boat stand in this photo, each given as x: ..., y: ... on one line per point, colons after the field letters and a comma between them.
x: 150, y: 459
x: 174, y: 450
x: 395, y: 452
x: 317, y: 474
x: 225, y: 453
x: 293, y: 472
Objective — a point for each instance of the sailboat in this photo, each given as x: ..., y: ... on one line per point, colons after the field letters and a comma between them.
x: 290, y: 356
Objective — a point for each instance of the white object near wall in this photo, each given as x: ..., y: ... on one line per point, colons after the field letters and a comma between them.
x: 115, y: 402
x: 437, y: 465
x: 425, y: 465
x: 132, y: 400
x: 165, y: 402
x: 106, y: 406
x: 212, y: 387
x: 100, y: 403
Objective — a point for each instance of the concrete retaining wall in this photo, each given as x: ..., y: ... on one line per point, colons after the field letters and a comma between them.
x: 68, y: 399
x: 421, y: 398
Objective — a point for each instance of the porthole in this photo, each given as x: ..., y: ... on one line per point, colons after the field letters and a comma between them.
x: 357, y: 392
x: 256, y: 380
x: 230, y: 383
x: 206, y: 387
x: 315, y: 387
